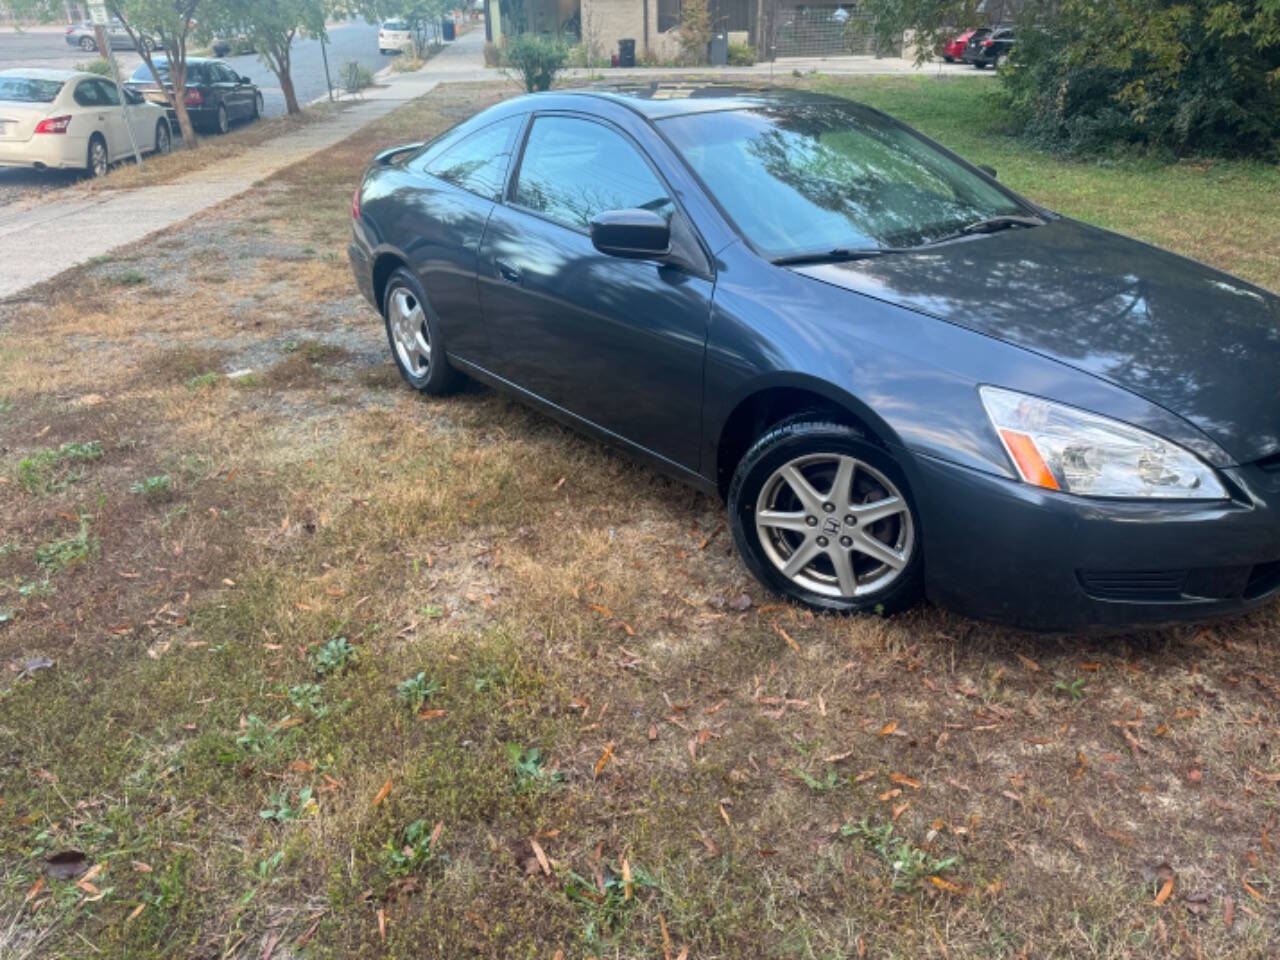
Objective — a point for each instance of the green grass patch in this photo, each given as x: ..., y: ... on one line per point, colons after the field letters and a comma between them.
x: 51, y: 471
x: 57, y: 555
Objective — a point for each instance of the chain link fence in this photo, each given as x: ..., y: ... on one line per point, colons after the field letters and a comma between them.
x: 827, y: 30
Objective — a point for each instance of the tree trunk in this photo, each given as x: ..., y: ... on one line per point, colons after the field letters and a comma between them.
x: 286, y: 87
x: 178, y: 74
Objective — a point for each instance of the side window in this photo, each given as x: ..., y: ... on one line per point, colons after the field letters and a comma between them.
x: 226, y: 74
x: 574, y: 169
x: 478, y: 162
x: 110, y: 95
x: 88, y: 94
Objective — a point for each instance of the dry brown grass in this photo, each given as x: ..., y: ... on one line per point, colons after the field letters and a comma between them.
x: 564, y: 599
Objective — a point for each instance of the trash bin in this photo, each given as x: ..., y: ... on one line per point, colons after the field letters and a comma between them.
x: 718, y: 52
x: 450, y: 32
x: 627, y: 53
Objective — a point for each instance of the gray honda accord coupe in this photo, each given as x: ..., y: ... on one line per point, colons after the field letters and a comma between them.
x: 904, y: 379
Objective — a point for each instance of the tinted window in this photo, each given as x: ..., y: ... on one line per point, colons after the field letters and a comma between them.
x: 108, y: 92
x: 224, y: 74
x: 478, y: 162
x: 574, y: 169
x: 89, y: 94
x: 395, y: 25
x: 143, y: 73
x: 823, y: 176
x: 24, y: 90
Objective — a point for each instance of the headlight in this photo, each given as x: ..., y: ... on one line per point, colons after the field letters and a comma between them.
x: 1060, y: 448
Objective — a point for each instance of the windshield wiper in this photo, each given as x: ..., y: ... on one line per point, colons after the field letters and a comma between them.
x: 838, y: 255
x: 1004, y: 222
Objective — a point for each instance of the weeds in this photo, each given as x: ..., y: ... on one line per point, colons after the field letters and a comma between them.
x: 333, y: 656
x: 129, y: 278
x: 531, y: 770
x: 154, y: 488
x: 416, y: 850
x: 828, y: 783
x: 1075, y: 689
x: 52, y: 470
x: 309, y: 698
x: 281, y: 810
x: 58, y: 555
x: 608, y: 910
x: 203, y: 381
x: 911, y: 865
x: 415, y: 691
x: 258, y: 735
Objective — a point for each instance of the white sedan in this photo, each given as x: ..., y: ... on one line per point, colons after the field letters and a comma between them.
x: 68, y: 120
x: 394, y: 36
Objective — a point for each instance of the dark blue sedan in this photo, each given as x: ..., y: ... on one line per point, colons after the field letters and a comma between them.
x: 904, y: 379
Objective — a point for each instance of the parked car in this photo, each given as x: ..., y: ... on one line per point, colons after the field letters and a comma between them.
x: 904, y: 378
x: 236, y: 46
x: 394, y: 36
x: 216, y: 96
x: 953, y: 49
x: 67, y: 120
x: 84, y: 36
x: 988, y: 46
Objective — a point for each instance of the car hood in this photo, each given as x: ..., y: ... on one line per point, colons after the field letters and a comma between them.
x: 1198, y: 342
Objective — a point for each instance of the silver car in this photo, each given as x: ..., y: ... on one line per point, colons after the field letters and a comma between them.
x: 84, y: 36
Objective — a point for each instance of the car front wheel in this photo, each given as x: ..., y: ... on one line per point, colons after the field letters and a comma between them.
x: 415, y: 338
x: 87, y: 44
x: 164, y: 139
x: 823, y: 516
x: 96, y: 162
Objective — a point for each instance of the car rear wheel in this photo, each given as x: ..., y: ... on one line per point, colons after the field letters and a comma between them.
x: 414, y: 335
x: 825, y: 517
x: 257, y: 105
x: 222, y: 123
x: 87, y: 44
x: 96, y: 161
x: 978, y: 64
x: 164, y: 139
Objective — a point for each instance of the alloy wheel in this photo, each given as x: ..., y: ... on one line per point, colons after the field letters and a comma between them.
x: 223, y: 123
x: 409, y: 332
x: 164, y: 140
x: 87, y: 44
x: 835, y: 525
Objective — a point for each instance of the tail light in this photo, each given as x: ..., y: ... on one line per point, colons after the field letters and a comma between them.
x: 70, y: 30
x: 193, y: 97
x: 987, y: 43
x: 53, y: 125
x: 355, y: 203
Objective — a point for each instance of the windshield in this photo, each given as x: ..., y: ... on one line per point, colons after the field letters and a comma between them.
x: 814, y: 177
x: 27, y: 90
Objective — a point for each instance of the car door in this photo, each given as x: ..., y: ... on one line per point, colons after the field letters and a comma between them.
x: 227, y: 85
x: 89, y: 95
x: 142, y: 119
x: 118, y: 142
x: 439, y: 208
x: 617, y: 342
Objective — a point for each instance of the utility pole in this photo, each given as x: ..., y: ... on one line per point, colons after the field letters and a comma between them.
x: 98, y: 14
x: 325, y: 57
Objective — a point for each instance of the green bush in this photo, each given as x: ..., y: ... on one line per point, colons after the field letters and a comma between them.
x: 535, y: 61
x: 741, y: 55
x: 355, y: 76
x: 99, y: 66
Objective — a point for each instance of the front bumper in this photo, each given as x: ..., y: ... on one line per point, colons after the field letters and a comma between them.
x: 1001, y: 550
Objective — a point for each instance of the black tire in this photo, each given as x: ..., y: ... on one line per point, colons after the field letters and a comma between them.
x: 164, y: 137
x: 96, y: 158
x: 222, y: 123
x: 257, y: 106
x: 438, y: 378
x: 803, y: 437
x: 949, y: 59
x: 979, y: 65
x: 88, y: 45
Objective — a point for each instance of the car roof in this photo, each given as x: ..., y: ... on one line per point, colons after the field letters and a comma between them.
x: 659, y: 99
x: 43, y: 73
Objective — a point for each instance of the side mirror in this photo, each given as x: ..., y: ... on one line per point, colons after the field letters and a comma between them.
x: 244, y: 79
x: 633, y: 234
x: 988, y: 170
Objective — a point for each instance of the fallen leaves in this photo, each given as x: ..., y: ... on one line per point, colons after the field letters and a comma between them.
x: 888, y: 728
x: 383, y: 793
x: 541, y: 855
x: 604, y: 759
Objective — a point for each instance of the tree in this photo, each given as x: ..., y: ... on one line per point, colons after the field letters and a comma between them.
x: 1185, y: 76
x: 271, y: 26
x: 163, y: 26
x: 695, y: 30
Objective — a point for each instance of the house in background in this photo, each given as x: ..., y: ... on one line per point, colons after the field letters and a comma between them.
x: 775, y: 28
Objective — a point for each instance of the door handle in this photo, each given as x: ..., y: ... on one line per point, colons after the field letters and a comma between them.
x: 507, y: 272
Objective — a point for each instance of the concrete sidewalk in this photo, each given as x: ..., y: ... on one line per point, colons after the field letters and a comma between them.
x: 42, y: 238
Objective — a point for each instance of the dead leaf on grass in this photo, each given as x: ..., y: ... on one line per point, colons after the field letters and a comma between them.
x: 382, y: 794
x: 608, y: 753
x: 538, y: 852
x: 888, y: 728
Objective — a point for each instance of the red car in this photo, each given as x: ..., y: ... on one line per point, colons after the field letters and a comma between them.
x: 952, y: 51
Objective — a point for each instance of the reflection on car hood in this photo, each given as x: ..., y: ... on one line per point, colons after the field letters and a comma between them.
x: 1198, y: 342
